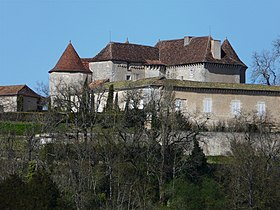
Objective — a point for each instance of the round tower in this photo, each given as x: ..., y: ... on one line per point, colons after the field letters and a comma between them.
x: 70, y: 73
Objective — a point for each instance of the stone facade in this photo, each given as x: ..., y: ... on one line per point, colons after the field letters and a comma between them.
x: 30, y: 103
x: 8, y: 104
x: 221, y: 107
x: 59, y: 82
x: 219, y: 102
x: 119, y: 71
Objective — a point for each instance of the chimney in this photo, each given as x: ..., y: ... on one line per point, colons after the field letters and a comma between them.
x: 216, y: 49
x: 187, y: 40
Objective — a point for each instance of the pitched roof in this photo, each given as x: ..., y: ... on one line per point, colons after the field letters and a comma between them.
x: 173, y: 52
x: 127, y: 52
x: 70, y: 61
x: 13, y: 90
x: 170, y: 52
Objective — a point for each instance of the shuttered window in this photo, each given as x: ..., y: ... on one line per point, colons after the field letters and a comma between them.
x: 261, y: 109
x: 235, y: 107
x: 207, y: 105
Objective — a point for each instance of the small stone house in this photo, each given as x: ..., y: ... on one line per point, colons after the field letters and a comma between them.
x: 18, y: 98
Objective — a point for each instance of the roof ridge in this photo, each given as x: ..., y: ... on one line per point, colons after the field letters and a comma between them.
x: 121, y: 43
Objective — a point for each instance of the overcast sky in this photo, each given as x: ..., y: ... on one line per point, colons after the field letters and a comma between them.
x: 34, y: 33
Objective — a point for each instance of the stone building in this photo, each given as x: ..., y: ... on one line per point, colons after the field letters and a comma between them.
x: 219, y: 102
x: 191, y: 58
x: 208, y: 76
x: 70, y: 72
x: 18, y: 98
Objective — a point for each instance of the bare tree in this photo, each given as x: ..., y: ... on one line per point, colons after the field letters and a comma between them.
x: 265, y: 65
x: 254, y: 170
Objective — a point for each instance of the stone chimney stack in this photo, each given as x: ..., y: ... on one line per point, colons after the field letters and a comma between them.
x: 187, y: 40
x: 216, y: 49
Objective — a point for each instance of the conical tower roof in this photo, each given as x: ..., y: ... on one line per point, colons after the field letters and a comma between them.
x: 70, y: 61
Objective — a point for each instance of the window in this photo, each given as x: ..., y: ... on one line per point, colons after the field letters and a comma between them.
x: 235, y: 107
x: 261, y: 109
x: 141, y: 104
x: 128, y: 77
x: 207, y: 105
x: 191, y: 73
x: 178, y: 104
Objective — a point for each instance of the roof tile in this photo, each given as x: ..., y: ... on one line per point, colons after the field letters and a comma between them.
x: 13, y: 90
x: 70, y: 61
x: 169, y: 52
x: 127, y: 52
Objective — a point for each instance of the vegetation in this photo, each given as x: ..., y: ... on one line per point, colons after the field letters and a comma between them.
x: 266, y: 69
x: 145, y: 157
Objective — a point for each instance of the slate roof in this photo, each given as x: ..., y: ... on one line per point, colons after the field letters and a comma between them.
x: 115, y: 51
x: 70, y: 61
x: 13, y: 90
x: 173, y: 52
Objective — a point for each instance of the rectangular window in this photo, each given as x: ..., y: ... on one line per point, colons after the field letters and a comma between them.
x: 207, y: 105
x: 141, y: 104
x: 128, y: 77
x: 191, y: 73
x: 261, y: 109
x: 235, y: 107
x: 178, y: 104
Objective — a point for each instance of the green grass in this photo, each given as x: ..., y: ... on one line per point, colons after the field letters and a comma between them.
x: 19, y: 128
x: 219, y: 159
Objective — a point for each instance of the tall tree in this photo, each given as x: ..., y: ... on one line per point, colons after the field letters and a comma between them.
x: 110, y: 98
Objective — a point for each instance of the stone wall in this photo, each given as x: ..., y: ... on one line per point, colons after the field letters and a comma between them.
x: 194, y: 72
x: 154, y: 71
x: 30, y: 103
x: 216, y: 143
x: 222, y: 73
x: 221, y: 108
x: 120, y: 71
x: 59, y: 81
x: 8, y: 103
x: 102, y: 70
x: 206, y: 73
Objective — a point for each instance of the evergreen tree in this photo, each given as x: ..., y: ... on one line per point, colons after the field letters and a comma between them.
x: 197, y: 166
x: 110, y: 98
x: 116, y: 103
